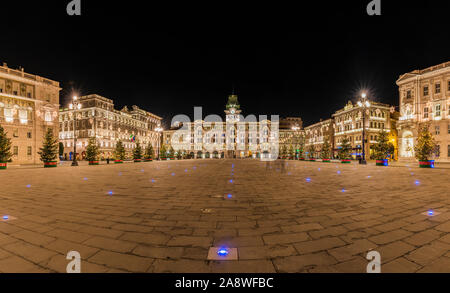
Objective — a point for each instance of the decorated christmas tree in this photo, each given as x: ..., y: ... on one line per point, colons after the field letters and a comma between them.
x: 92, y: 151
x: 426, y: 145
x: 149, y: 152
x: 163, y: 152
x: 283, y: 151
x: 301, y: 146
x: 311, y: 151
x: 119, y: 152
x: 137, y: 153
x: 345, y: 150
x: 383, y: 147
x: 326, y: 150
x: 5, y: 148
x: 171, y: 153
x: 291, y: 152
x: 49, y: 150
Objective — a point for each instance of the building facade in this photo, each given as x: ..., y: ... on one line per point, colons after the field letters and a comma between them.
x: 348, y: 122
x: 28, y: 107
x: 291, y: 134
x: 98, y: 118
x: 316, y: 134
x: 235, y: 138
x: 424, y: 97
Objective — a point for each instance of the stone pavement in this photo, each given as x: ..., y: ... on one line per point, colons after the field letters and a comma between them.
x: 164, y: 216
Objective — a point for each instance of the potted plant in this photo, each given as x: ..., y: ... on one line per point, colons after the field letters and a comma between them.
x: 325, y: 154
x: 344, y: 151
x: 137, y: 153
x: 425, y: 147
x: 49, y: 150
x: 5, y: 149
x: 382, y: 149
x: 119, y: 153
x: 311, y: 152
x: 92, y: 151
x: 148, y: 155
x: 163, y: 152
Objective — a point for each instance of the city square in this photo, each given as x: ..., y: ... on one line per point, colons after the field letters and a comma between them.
x: 164, y: 216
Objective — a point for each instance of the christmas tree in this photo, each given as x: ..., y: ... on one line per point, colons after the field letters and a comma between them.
x: 346, y: 147
x: 163, y: 152
x: 49, y: 150
x: 291, y: 151
x: 149, y: 152
x: 119, y: 153
x: 326, y: 150
x: 383, y: 147
x: 301, y: 146
x: 283, y: 151
x: 171, y: 153
x: 426, y: 145
x: 137, y: 153
x: 92, y: 150
x: 5, y: 147
x: 311, y: 151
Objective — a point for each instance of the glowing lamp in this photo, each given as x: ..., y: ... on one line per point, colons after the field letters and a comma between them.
x: 28, y: 185
x: 5, y: 217
x: 430, y: 213
x: 222, y: 252
x: 110, y: 192
x: 308, y: 179
x: 229, y: 196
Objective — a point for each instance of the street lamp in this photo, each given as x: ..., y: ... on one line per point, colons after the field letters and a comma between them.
x: 158, y: 129
x: 75, y: 105
x: 364, y: 103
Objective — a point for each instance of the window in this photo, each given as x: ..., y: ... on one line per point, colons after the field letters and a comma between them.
x: 438, y: 110
x: 16, y: 133
x: 425, y: 112
x: 29, y: 95
x: 29, y: 151
x: 437, y: 130
x: 1, y: 90
x: 15, y: 93
x: 438, y: 151
x: 16, y: 150
x: 425, y: 90
x: 437, y: 88
x: 408, y: 94
x: 28, y: 134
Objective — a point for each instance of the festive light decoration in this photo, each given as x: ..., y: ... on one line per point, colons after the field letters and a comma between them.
x: 231, y: 181
x: 343, y: 190
x: 339, y: 172
x: 173, y: 174
x: 85, y: 178
x: 153, y: 180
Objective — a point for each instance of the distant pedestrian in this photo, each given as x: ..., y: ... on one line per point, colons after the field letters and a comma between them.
x: 107, y: 160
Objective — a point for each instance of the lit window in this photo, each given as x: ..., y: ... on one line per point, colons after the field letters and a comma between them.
x: 437, y: 88
x: 438, y: 110
x: 8, y: 115
x: 437, y: 130
x: 16, y: 150
x: 23, y: 116
x: 425, y: 90
x: 425, y: 112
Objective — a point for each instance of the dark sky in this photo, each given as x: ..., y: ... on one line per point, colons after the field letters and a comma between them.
x: 290, y: 59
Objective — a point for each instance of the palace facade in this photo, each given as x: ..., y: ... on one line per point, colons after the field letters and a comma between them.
x: 28, y: 107
x: 235, y: 138
x: 98, y: 118
x: 348, y: 122
x: 424, y: 97
x: 316, y: 134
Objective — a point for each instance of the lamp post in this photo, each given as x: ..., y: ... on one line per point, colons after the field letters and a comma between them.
x: 363, y: 103
x: 295, y: 128
x: 75, y: 105
x: 158, y: 129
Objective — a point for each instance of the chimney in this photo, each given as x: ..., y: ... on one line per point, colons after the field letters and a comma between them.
x: 5, y: 65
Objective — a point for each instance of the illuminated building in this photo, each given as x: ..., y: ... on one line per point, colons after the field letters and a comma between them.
x: 28, y: 107
x: 424, y: 97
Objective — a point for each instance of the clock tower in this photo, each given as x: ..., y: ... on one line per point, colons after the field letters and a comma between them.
x: 232, y: 109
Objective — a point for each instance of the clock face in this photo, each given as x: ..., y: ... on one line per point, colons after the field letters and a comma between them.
x: 232, y: 111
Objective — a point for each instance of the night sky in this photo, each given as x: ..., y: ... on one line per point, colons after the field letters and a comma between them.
x: 281, y: 58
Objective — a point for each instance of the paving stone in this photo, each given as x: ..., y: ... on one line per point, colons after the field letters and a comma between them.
x: 399, y: 265
x: 285, y: 238
x: 301, y: 263
x: 391, y: 236
x: 126, y: 262
x: 110, y: 244
x: 318, y: 245
x: 428, y: 253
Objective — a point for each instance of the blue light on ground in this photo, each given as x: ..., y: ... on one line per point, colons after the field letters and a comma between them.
x: 369, y: 176
x: 120, y: 173
x: 5, y: 217
x: 28, y: 185
x: 173, y: 174
x: 222, y: 252
x: 412, y: 173
x: 430, y: 213
x: 289, y: 173
x: 339, y: 172
x: 142, y: 170
x: 110, y: 192
x: 308, y: 179
x: 343, y: 190
x: 318, y: 169
x: 229, y: 196
x: 417, y: 182
x: 185, y: 170
x: 194, y: 168
x: 85, y: 178
x: 231, y: 181
x: 153, y: 180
